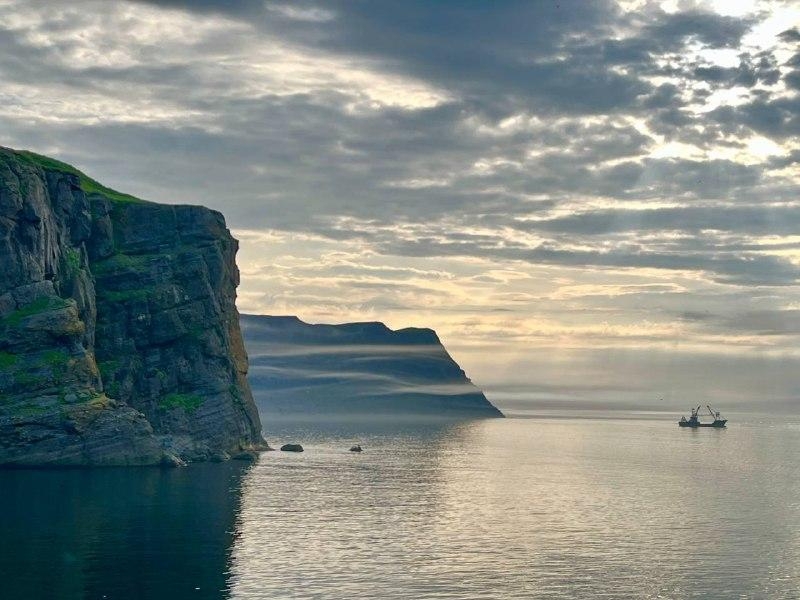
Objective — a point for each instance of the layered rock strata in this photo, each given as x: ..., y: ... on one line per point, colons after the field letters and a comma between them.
x: 119, y: 334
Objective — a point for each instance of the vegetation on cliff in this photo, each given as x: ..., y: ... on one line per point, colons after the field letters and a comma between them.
x: 88, y: 185
x: 119, y: 335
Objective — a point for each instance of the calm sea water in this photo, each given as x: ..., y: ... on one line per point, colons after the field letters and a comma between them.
x: 591, y: 506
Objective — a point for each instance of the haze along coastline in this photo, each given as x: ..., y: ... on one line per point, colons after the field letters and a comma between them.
x: 301, y: 371
x: 119, y: 334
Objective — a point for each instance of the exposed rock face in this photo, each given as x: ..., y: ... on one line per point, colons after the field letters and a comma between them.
x: 356, y: 370
x: 119, y: 335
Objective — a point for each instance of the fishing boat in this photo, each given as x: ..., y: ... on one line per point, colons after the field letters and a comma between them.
x: 694, y: 419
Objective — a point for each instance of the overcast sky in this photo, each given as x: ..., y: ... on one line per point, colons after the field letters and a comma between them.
x: 588, y: 200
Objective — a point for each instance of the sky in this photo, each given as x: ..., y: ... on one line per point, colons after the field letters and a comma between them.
x: 591, y: 202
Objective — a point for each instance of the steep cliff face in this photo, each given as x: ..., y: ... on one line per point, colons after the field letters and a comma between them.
x: 355, y: 370
x: 119, y: 335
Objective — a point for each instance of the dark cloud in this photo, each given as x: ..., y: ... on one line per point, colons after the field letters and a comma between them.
x: 792, y: 79
x: 751, y: 220
x: 790, y: 35
x: 665, y: 96
x: 559, y: 54
x: 766, y: 322
x: 543, y: 124
x: 743, y: 269
x: 671, y: 31
x: 772, y: 322
x: 777, y: 118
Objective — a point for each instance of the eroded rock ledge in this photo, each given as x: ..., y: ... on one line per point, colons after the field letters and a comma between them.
x: 119, y: 334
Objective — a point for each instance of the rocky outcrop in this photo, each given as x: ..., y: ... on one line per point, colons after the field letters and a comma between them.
x: 119, y: 334
x: 300, y: 371
x: 291, y: 448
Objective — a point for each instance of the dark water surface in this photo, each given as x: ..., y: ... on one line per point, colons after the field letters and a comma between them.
x: 593, y: 506
x: 118, y: 533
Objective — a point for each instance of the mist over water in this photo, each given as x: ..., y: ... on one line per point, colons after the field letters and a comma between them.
x: 590, y: 505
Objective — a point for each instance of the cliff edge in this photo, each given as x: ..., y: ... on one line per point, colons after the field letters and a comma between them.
x: 301, y: 371
x: 119, y: 334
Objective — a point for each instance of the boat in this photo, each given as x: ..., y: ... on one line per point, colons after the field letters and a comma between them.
x: 694, y: 420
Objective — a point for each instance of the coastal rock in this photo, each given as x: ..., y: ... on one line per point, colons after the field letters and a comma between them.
x: 246, y: 455
x: 291, y: 448
x: 119, y: 334
x: 362, y: 371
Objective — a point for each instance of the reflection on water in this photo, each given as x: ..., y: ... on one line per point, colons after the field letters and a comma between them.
x: 507, y: 508
x: 117, y: 533
x: 521, y: 508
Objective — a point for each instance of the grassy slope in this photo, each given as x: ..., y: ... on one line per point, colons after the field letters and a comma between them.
x: 88, y: 185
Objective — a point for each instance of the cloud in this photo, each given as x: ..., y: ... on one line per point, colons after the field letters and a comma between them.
x: 500, y: 169
x: 753, y: 220
x: 790, y: 35
x: 741, y: 270
x: 765, y: 322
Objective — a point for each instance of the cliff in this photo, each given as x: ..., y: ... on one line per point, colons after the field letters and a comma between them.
x: 302, y: 371
x: 119, y: 334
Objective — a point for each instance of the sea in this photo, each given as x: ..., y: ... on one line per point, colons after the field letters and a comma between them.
x: 592, y: 504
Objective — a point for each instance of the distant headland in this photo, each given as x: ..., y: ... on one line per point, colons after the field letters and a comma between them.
x: 355, y: 370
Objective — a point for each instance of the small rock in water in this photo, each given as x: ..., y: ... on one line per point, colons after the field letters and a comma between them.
x: 291, y: 448
x: 356, y: 448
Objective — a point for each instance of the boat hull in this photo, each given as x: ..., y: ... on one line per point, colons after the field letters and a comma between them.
x: 716, y: 424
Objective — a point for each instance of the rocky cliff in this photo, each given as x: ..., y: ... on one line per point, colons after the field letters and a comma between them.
x: 356, y: 370
x: 119, y: 334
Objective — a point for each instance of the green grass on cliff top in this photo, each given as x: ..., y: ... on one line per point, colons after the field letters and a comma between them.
x: 88, y: 185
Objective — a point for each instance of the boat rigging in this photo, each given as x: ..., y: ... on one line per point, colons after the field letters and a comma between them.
x: 694, y: 420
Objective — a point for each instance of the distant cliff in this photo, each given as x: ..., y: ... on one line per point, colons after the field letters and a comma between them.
x: 302, y: 371
x: 119, y: 335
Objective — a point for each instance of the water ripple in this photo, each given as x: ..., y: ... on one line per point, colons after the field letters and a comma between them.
x: 525, y: 509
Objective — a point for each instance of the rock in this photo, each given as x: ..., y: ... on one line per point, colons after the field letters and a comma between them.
x: 170, y: 460
x: 95, y: 433
x: 246, y: 455
x: 219, y: 456
x: 119, y: 334
x: 356, y: 448
x: 291, y: 448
